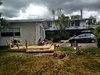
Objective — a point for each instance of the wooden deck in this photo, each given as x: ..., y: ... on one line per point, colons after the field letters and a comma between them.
x: 41, y: 50
x: 39, y: 47
x: 33, y: 48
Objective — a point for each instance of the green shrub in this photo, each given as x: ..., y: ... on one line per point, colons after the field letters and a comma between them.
x: 97, y: 35
x: 56, y: 38
x: 57, y: 35
x: 64, y: 35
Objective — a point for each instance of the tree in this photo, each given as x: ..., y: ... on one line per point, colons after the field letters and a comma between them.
x: 3, y: 22
x: 0, y: 4
x: 75, y: 17
x: 90, y: 21
x: 56, y: 13
x: 63, y: 21
x: 0, y: 16
x: 97, y: 35
x: 53, y: 12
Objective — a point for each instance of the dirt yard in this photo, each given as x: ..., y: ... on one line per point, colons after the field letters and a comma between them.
x: 21, y: 63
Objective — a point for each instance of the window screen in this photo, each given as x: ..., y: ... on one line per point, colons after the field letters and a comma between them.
x: 10, y: 32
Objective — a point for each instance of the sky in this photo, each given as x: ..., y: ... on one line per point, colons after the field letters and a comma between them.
x: 42, y: 9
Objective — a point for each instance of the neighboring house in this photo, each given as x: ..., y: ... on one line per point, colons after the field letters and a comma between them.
x: 30, y: 30
x: 74, y: 24
x: 51, y: 26
x: 82, y: 23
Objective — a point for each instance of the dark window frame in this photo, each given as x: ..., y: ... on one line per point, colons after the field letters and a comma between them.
x: 49, y: 24
x: 12, y: 33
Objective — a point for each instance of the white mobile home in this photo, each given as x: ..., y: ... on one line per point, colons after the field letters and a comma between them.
x: 74, y: 24
x: 30, y: 30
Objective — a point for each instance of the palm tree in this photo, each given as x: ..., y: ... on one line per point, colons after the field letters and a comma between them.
x: 53, y: 12
x: 62, y: 20
x: 59, y: 11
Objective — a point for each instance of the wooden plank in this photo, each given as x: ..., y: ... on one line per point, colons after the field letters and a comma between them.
x: 17, y: 50
x: 20, y: 47
x: 39, y: 47
x: 51, y: 49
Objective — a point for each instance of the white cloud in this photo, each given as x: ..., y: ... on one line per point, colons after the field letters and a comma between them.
x: 89, y: 13
x: 95, y: 14
x: 36, y: 11
x: 75, y: 13
x: 26, y: 9
x: 33, y: 12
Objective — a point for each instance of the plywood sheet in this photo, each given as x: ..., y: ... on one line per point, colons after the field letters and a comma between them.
x: 51, y: 49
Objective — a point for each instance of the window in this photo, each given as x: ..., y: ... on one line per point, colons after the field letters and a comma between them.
x: 10, y: 32
x: 16, y: 31
x: 81, y: 35
x: 77, y: 23
x: 49, y: 24
x: 72, y: 23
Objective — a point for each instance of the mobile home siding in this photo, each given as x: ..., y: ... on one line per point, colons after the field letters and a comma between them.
x: 27, y: 32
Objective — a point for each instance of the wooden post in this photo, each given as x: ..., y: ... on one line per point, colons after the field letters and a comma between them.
x: 26, y: 44
x: 17, y: 44
x: 8, y: 43
x: 51, y: 40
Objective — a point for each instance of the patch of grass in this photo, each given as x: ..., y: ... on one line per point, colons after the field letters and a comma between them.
x: 3, y: 50
x: 88, y: 51
x: 20, y: 63
x: 3, y: 47
x: 94, y: 51
x: 10, y: 64
x: 92, y: 65
x: 65, y: 49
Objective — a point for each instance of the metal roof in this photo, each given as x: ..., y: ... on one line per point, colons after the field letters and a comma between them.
x: 30, y: 21
x: 27, y: 20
